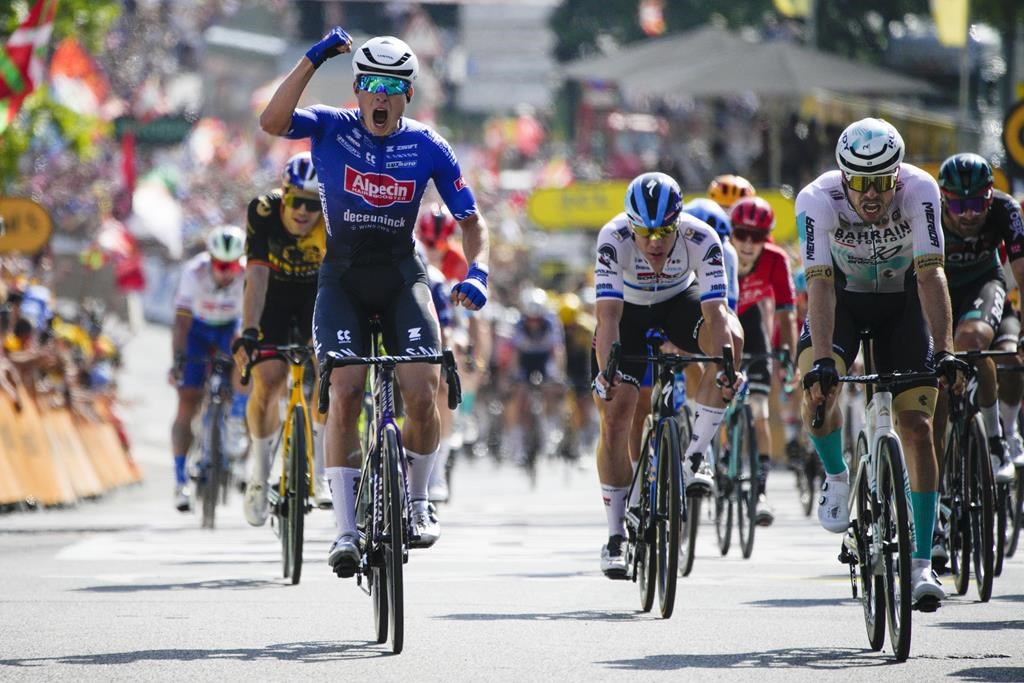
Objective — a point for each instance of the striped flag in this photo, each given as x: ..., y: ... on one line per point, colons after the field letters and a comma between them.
x: 22, y: 65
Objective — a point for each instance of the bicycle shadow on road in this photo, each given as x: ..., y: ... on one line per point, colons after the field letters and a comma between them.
x: 816, y: 658
x: 578, y: 615
x: 994, y: 673
x: 1017, y: 625
x: 212, y: 584
x: 305, y: 653
x: 803, y: 602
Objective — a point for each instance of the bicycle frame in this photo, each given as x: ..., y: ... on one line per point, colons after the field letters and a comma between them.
x: 296, y: 397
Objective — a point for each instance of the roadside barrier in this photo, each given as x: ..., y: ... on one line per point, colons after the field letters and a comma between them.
x: 53, y: 456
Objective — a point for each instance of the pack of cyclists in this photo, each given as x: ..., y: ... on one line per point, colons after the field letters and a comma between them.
x: 883, y: 247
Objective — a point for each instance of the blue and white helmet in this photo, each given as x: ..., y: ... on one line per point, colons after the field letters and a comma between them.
x: 300, y: 174
x: 870, y: 147
x: 653, y: 200
x: 711, y: 213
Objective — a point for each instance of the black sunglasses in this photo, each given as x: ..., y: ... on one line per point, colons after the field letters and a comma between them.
x: 312, y: 204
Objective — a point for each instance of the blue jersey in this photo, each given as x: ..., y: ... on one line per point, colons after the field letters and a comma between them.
x: 370, y: 186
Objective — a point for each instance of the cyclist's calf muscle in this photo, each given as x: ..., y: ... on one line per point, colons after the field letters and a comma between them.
x: 269, y: 381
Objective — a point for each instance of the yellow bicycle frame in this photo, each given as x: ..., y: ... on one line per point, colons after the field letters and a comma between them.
x: 296, y: 398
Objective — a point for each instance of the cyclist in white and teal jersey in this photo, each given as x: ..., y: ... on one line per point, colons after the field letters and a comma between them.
x: 873, y: 252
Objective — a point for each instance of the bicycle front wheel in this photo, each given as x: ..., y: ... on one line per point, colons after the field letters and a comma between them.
x: 745, y: 482
x: 895, y: 545
x: 980, y: 489
x: 296, y: 491
x: 1004, y: 526
x: 213, y: 466
x: 669, y: 488
x: 644, y: 542
x: 723, y: 491
x: 954, y: 487
x: 872, y: 588
x: 394, y: 537
x: 690, y: 517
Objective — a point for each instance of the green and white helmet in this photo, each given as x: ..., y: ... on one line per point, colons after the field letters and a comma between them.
x: 870, y: 147
x: 226, y: 243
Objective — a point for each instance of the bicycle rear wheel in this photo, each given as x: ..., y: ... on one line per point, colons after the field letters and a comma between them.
x: 669, y: 488
x: 745, y: 481
x: 394, y: 537
x: 980, y: 488
x: 690, y: 513
x: 296, y: 492
x: 895, y: 543
x: 872, y: 586
x: 213, y: 466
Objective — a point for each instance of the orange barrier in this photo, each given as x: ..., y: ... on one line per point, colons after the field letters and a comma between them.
x: 104, y: 460
x: 44, y: 476
x: 106, y: 413
x: 67, y: 445
x: 12, y: 487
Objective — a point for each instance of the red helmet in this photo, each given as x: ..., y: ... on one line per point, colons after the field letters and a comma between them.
x: 754, y: 213
x: 435, y: 225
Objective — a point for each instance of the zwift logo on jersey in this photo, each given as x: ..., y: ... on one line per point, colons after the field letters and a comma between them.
x: 379, y: 189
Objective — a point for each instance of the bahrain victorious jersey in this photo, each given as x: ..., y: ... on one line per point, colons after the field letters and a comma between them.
x: 370, y: 186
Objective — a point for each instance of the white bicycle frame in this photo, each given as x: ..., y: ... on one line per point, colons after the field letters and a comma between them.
x: 878, y: 426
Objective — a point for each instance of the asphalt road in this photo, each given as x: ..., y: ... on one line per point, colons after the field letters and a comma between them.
x: 128, y: 589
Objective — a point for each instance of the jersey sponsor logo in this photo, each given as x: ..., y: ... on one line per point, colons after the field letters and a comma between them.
x: 400, y: 164
x: 351, y: 148
x: 694, y: 236
x: 344, y: 337
x: 372, y: 219
x: 886, y: 253
x: 933, y: 233
x: 460, y: 184
x: 263, y: 206
x: 713, y: 256
x: 1016, y: 224
x: 836, y: 195
x: 606, y: 255
x: 967, y: 258
x: 850, y: 238
x: 603, y: 287
x: 824, y: 272
x: 717, y: 287
x: 421, y: 351
x: 400, y: 148
x: 379, y: 189
x: 622, y: 234
x: 603, y: 272
x: 928, y: 262
x: 415, y: 334
x: 808, y: 235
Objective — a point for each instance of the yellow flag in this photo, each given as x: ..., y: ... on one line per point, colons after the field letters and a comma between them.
x: 794, y: 9
x: 950, y: 21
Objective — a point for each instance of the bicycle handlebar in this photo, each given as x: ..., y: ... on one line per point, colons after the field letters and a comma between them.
x: 296, y: 354
x: 335, y: 360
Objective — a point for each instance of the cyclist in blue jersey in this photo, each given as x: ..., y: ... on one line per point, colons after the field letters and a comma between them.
x: 373, y: 165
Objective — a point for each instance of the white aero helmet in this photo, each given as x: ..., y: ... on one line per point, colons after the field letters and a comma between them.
x: 870, y: 147
x: 226, y: 243
x: 386, y: 56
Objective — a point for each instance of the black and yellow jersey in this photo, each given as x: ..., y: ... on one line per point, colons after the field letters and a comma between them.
x: 291, y: 259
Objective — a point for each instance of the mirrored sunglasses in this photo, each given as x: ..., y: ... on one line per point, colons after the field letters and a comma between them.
x: 861, y: 183
x: 311, y: 204
x: 961, y: 205
x: 744, y: 235
x: 652, y: 233
x: 385, y: 84
x: 232, y: 267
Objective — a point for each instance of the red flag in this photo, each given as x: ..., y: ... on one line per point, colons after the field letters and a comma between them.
x: 22, y: 59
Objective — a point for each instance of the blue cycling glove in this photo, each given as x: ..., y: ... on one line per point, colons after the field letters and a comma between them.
x: 474, y: 287
x: 328, y: 46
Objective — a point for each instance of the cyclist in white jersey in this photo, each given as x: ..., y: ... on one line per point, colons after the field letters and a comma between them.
x: 209, y: 306
x: 873, y: 251
x: 656, y: 267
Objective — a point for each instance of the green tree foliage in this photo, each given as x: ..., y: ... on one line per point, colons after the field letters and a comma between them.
x: 86, y: 20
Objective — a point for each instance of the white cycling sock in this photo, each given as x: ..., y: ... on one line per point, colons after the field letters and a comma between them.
x: 615, y: 508
x: 343, y: 482
x: 318, y: 449
x: 259, y: 457
x: 437, y: 471
x: 419, y: 473
x: 1008, y: 413
x: 705, y: 424
x: 990, y: 415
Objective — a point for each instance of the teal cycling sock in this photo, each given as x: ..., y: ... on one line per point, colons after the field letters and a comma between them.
x: 830, y: 450
x: 923, y: 503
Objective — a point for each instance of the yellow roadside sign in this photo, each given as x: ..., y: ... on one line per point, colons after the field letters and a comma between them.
x: 580, y: 206
x: 1013, y: 136
x: 25, y: 226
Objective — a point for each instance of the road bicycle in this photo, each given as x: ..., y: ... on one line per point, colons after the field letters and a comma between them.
x: 289, y: 498
x: 879, y: 542
x: 736, y: 471
x: 658, y: 543
x: 208, y: 459
x: 1009, y: 501
x: 383, y: 514
x: 967, y: 488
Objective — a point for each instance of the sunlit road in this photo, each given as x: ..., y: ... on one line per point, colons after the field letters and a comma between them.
x: 127, y: 588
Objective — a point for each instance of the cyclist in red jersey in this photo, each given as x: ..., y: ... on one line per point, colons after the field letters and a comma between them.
x: 435, y: 229
x: 766, y: 285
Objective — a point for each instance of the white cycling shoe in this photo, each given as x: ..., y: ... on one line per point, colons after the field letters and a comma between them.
x: 1003, y: 470
x: 700, y: 481
x: 613, y: 560
x: 927, y: 591
x: 833, y: 505
x: 255, y: 504
x: 322, y: 495
x: 425, y: 525
x: 344, y: 555
x: 1015, y: 450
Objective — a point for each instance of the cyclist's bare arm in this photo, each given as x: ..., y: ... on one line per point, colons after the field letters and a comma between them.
x: 179, y: 336
x: 276, y: 119
x: 609, y: 313
x: 934, y: 294
x: 821, y: 311
x: 257, y: 278
x: 474, y: 240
